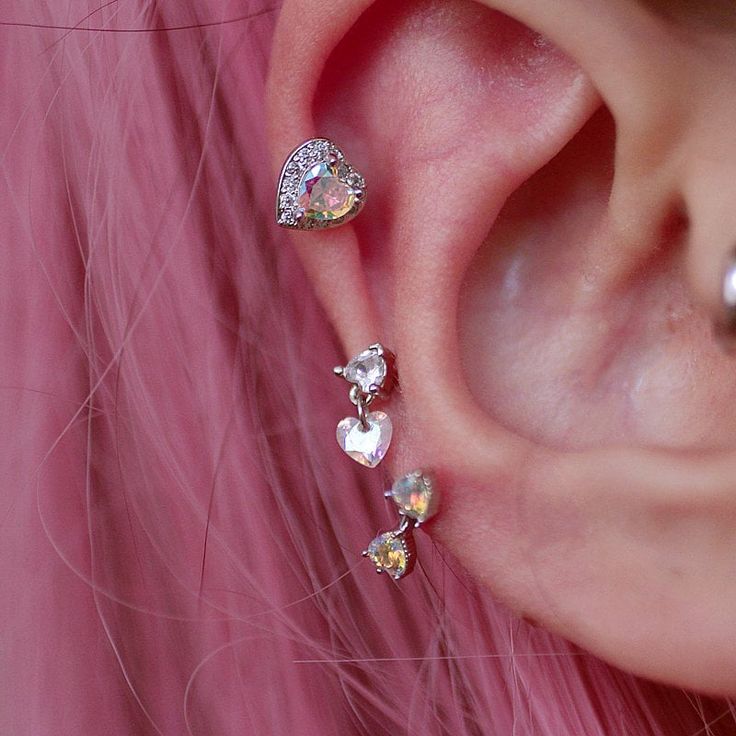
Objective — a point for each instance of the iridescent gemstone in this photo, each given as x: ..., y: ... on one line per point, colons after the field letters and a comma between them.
x: 389, y: 553
x: 367, y: 446
x: 415, y: 495
x: 367, y: 371
x: 323, y: 195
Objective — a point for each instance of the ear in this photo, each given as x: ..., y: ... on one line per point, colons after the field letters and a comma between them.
x: 448, y: 108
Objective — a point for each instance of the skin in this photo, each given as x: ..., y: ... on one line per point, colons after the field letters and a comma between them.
x: 543, y: 246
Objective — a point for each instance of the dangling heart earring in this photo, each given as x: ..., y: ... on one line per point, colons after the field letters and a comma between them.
x: 372, y: 374
x: 366, y: 439
x: 318, y: 188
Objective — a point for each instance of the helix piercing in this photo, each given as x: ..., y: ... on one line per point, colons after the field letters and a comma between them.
x: 366, y: 439
x: 317, y: 187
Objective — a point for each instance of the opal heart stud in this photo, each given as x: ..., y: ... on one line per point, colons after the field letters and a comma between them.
x: 318, y: 188
x: 416, y: 496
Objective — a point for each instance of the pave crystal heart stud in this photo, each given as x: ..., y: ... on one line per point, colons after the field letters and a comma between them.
x: 318, y: 188
x: 372, y: 376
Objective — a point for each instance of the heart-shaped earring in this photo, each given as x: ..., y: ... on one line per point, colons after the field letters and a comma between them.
x: 366, y: 442
x: 372, y: 375
x: 318, y: 188
x: 394, y: 552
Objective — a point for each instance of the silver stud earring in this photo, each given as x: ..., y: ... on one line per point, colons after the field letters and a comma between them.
x: 318, y: 188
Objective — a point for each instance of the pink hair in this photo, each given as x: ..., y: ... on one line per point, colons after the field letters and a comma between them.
x: 181, y: 535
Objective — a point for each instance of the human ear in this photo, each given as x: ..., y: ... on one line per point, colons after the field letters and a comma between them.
x: 443, y: 124
x: 456, y: 113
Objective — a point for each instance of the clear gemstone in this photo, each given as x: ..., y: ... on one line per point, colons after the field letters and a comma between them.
x: 322, y: 195
x: 388, y: 553
x: 415, y: 495
x: 366, y: 446
x: 367, y: 371
x: 355, y: 180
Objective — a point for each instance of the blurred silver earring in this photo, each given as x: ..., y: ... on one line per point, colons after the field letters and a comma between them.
x: 725, y: 326
x: 318, y: 188
x: 372, y: 375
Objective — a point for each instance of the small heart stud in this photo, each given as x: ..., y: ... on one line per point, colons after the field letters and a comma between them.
x: 415, y: 494
x: 318, y: 188
x: 366, y: 446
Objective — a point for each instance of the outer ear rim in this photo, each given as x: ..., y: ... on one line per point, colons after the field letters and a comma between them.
x: 289, y: 98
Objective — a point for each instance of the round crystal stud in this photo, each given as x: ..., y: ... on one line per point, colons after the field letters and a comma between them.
x: 390, y: 553
x: 415, y: 495
x: 367, y: 371
x: 323, y: 195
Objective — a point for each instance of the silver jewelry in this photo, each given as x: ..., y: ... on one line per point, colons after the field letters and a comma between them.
x: 318, y: 188
x: 724, y: 325
x: 372, y: 376
x: 394, y: 552
x: 366, y: 439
